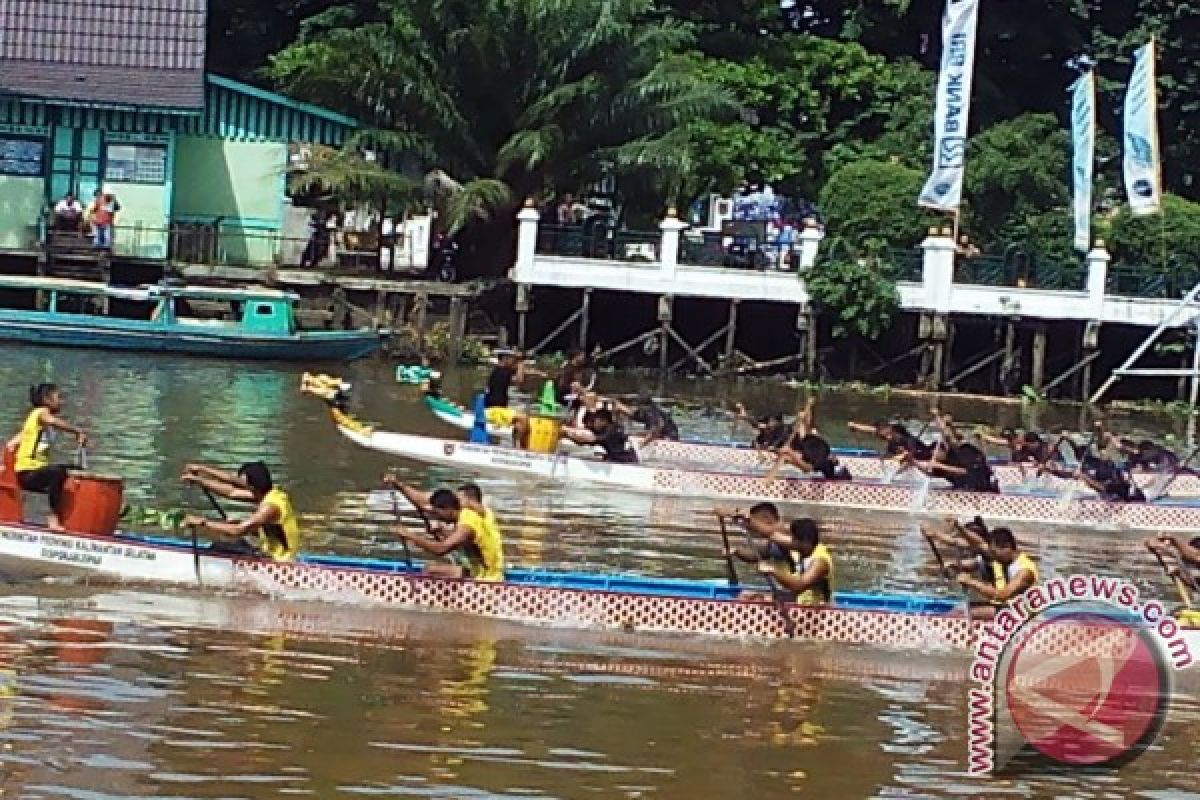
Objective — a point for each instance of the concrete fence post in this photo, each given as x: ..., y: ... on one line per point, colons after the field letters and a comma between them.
x: 668, y: 255
x: 527, y: 234
x: 937, y: 272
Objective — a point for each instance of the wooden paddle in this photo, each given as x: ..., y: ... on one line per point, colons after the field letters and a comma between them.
x: 777, y: 594
x: 1180, y: 584
x: 945, y: 573
x: 732, y: 573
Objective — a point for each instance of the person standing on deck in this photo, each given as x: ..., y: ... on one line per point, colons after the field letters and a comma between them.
x: 510, y: 369
x: 1013, y: 572
x: 102, y: 215
x: 31, y: 448
x: 273, y: 530
x: 470, y: 529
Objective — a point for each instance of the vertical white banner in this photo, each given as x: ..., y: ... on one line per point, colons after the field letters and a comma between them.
x: 1083, y: 139
x: 943, y: 189
x: 1143, y: 169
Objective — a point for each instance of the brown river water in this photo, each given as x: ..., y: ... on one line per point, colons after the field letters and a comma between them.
x: 109, y: 692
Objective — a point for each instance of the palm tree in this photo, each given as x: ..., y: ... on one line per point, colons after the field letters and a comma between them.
x: 509, y: 98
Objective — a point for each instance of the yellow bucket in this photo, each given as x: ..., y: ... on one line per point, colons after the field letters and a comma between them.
x: 544, y: 433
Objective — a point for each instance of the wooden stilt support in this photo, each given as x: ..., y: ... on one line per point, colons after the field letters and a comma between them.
x: 1091, y: 349
x: 577, y: 314
x: 584, y: 313
x: 458, y: 329
x: 932, y: 330
x: 806, y: 333
x: 1009, y: 369
x: 665, y: 314
x: 693, y: 353
x: 1038, y: 366
x: 523, y: 304
x: 731, y: 334
x: 951, y: 329
x: 421, y: 314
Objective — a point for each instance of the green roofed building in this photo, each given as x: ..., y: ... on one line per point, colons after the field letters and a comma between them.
x: 197, y: 162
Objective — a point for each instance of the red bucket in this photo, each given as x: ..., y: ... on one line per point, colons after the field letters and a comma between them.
x: 91, y: 503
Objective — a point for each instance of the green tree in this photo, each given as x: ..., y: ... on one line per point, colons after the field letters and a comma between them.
x: 857, y: 289
x: 512, y: 97
x: 1159, y: 241
x: 876, y: 200
x: 1016, y: 172
x: 809, y: 105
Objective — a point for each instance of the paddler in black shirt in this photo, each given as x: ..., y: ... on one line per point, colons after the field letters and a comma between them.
x: 510, y: 369
x: 807, y: 450
x: 772, y: 432
x: 899, y: 442
x: 1023, y: 448
x: 603, y: 432
x: 1149, y: 456
x: 964, y: 465
x: 658, y: 423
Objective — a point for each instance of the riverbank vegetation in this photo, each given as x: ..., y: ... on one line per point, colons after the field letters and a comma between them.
x: 509, y: 99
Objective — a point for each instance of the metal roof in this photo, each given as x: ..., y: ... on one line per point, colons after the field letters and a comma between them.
x: 129, y: 53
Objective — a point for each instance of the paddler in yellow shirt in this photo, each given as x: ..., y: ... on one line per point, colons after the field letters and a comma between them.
x: 792, y: 553
x: 273, y: 530
x: 1013, y: 572
x: 470, y: 529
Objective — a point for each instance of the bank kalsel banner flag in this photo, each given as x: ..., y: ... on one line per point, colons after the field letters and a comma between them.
x: 1083, y: 135
x: 1143, y: 178
x: 943, y: 190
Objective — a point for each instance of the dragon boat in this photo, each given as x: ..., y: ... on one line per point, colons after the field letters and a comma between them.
x: 860, y: 462
x: 629, y: 603
x: 923, y: 497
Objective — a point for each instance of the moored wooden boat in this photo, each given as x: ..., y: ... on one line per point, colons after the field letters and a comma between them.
x: 915, y: 497
x: 158, y: 318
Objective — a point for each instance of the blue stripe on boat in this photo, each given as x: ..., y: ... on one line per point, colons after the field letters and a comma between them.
x: 628, y: 584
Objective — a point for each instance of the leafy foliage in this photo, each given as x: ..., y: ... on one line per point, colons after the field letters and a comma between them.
x: 512, y: 97
x: 356, y: 180
x: 876, y: 200
x: 1160, y: 241
x: 1018, y: 169
x: 810, y: 104
x: 858, y: 291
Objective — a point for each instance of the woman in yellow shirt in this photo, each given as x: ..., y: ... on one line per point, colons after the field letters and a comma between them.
x: 32, y: 464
